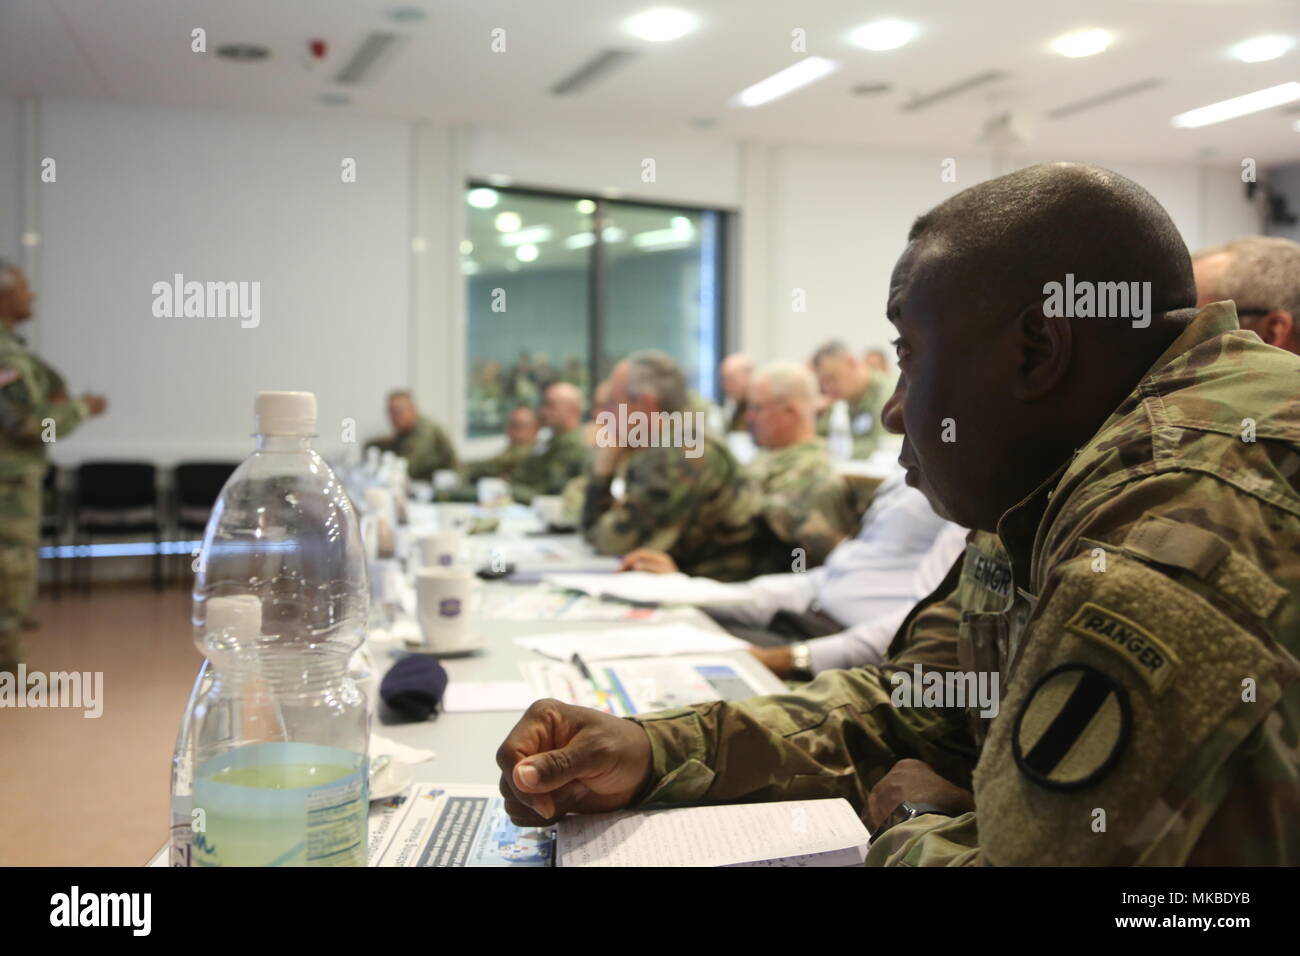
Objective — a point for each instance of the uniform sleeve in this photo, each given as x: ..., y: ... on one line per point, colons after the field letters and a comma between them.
x: 444, y: 450
x: 1137, y: 707
x: 25, y: 411
x: 645, y: 517
x: 835, y: 737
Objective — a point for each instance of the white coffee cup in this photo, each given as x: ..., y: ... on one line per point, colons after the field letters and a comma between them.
x: 550, y: 509
x: 447, y: 605
x: 442, y: 549
x: 444, y: 479
x: 493, y: 492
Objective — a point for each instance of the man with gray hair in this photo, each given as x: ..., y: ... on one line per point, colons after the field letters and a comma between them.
x: 845, y: 377
x: 685, y: 494
x: 1261, y: 274
x: 35, y: 411
x: 806, y: 505
x: 737, y: 372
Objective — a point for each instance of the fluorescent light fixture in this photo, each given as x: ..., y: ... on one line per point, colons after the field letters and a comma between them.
x: 1082, y: 43
x: 883, y: 35
x: 662, y: 239
x: 585, y: 206
x: 580, y: 240
x: 483, y: 198
x: 1239, y: 106
x: 527, y: 237
x: 526, y: 253
x: 661, y: 24
x: 612, y: 234
x: 469, y: 267
x: 507, y: 221
x: 808, y: 70
x: 1259, y: 49
x: 466, y: 247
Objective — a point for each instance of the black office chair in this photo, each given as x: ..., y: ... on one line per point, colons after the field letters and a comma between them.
x: 117, y: 498
x: 195, y: 487
x: 54, y: 521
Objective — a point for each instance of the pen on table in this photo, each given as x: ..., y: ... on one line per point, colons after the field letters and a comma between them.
x: 601, y: 695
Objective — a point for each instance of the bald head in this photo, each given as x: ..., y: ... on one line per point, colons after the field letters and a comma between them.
x: 1261, y: 275
x: 736, y: 371
x: 562, y: 407
x: 996, y: 388
x: 780, y: 409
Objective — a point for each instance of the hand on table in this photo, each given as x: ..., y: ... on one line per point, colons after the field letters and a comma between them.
x: 648, y: 559
x: 914, y: 781
x: 779, y: 660
x: 564, y: 759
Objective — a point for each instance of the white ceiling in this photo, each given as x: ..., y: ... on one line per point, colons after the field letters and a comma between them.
x: 138, y: 51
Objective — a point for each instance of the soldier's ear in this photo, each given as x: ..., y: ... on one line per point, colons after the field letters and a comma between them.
x: 1044, y: 346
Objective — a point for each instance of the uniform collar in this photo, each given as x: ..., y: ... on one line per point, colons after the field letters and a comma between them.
x: 1018, y: 526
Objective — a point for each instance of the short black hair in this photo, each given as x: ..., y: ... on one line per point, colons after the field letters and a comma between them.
x: 1007, y: 237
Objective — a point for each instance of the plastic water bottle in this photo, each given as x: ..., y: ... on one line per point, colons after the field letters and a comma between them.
x: 182, y: 833
x: 840, y: 437
x: 279, y: 736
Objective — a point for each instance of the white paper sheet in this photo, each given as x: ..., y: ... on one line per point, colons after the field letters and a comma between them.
x: 646, y: 588
x: 495, y: 695
x: 654, y: 640
x: 711, y: 836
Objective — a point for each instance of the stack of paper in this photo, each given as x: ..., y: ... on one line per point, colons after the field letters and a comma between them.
x: 792, y: 833
x: 642, y: 587
x: 655, y: 640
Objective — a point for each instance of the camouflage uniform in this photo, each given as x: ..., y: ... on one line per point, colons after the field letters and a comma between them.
x: 498, y: 466
x: 425, y: 447
x: 548, y: 469
x: 702, y: 511
x: 864, y: 419
x: 835, y: 737
x: 1145, y: 621
x: 800, y: 491
x: 27, y: 390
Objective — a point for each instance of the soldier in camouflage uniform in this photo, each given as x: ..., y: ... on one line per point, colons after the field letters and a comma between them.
x: 1139, y: 601
x: 521, y: 438
x: 844, y: 376
x: 686, y: 497
x: 563, y: 457
x: 422, y: 442
x: 35, y: 409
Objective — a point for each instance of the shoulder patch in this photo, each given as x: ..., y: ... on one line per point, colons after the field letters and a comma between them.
x: 1072, y: 727
x: 1154, y: 662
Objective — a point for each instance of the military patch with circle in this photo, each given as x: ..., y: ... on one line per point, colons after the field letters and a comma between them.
x: 1072, y: 727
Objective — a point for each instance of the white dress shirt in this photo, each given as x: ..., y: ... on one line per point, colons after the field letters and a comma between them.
x: 868, y: 583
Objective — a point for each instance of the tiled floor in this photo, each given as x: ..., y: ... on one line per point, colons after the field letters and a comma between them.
x: 80, y: 791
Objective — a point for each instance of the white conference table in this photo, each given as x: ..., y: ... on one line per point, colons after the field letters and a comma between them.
x: 465, y: 744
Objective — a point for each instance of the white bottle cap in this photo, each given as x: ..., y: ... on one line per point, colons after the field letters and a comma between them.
x: 285, y: 413
x: 235, y: 620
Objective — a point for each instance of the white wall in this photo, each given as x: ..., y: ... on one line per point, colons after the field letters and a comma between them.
x: 143, y: 194
x: 836, y: 220
x: 350, y: 310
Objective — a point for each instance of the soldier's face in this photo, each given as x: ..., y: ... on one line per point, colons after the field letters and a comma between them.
x: 522, y: 428
x: 17, y: 302
x: 401, y: 412
x: 951, y: 401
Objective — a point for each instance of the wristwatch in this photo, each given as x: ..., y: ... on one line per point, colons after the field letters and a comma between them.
x: 801, y: 659
x: 906, y: 811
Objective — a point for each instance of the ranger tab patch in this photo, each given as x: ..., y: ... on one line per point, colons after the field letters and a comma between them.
x: 1142, y: 650
x: 1072, y: 727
